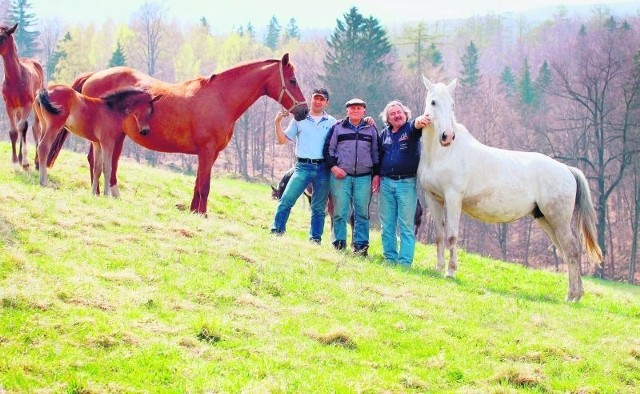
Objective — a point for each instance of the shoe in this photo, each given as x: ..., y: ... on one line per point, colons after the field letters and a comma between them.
x: 316, y: 241
x: 276, y: 232
x: 339, y: 244
x: 361, y: 250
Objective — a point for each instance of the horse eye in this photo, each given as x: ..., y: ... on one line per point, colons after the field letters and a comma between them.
x: 293, y: 81
x: 433, y: 103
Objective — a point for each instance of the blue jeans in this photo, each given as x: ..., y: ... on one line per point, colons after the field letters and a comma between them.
x: 398, y: 199
x: 346, y: 192
x: 305, y: 173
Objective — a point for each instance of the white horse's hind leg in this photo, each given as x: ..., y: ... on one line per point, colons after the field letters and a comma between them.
x: 567, y: 244
x: 437, y: 215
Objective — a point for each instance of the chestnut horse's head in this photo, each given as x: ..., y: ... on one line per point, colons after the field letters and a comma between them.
x: 439, y: 107
x: 289, y: 94
x: 6, y: 33
x: 135, y: 103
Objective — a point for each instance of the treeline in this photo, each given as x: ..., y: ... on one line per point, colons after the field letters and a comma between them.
x: 568, y: 87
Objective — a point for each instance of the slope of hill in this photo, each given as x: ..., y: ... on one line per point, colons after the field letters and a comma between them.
x: 134, y: 295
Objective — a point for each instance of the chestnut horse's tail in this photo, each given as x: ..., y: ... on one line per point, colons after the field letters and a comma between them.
x: 56, y: 146
x: 586, y: 217
x: 45, y: 103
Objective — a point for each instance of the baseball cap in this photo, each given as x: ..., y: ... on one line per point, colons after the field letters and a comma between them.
x: 355, y: 101
x: 322, y: 92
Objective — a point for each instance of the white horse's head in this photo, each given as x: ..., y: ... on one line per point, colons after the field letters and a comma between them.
x: 439, y: 107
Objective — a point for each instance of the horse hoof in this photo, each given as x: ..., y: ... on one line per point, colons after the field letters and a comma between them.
x: 25, y: 167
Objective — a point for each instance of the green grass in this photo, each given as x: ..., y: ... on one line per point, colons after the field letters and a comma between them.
x: 135, y: 296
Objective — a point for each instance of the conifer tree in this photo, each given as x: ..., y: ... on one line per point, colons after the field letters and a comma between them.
x: 57, y: 55
x: 508, y: 81
x: 273, y: 33
x: 356, y: 63
x: 292, y: 32
x: 470, y: 74
x: 25, y: 37
x: 525, y: 87
x: 118, y: 57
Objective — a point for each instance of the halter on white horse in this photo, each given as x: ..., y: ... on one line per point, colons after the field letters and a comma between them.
x: 460, y: 174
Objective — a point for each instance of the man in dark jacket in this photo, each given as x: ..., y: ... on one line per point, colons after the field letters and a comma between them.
x: 351, y: 153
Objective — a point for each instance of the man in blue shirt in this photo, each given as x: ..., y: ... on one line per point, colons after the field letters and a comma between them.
x: 399, y: 157
x: 309, y: 135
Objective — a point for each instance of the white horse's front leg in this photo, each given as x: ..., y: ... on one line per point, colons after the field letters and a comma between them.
x: 437, y: 215
x: 454, y: 210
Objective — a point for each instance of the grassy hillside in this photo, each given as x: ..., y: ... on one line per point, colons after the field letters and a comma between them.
x: 133, y: 295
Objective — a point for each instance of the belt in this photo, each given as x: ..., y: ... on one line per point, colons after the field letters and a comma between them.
x: 398, y: 177
x: 309, y: 161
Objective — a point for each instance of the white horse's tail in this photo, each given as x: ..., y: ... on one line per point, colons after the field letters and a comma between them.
x: 586, y: 217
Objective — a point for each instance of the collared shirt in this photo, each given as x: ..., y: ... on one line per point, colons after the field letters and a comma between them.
x: 400, y: 151
x: 309, y: 135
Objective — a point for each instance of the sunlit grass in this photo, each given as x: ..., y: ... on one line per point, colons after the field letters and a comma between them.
x: 136, y: 295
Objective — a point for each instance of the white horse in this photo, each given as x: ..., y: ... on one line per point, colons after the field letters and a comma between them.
x: 499, y: 186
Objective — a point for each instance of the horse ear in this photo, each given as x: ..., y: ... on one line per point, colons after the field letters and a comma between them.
x: 428, y: 84
x: 285, y: 59
x: 452, y: 86
x: 13, y: 29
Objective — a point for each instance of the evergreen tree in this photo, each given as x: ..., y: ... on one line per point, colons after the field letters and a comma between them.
x: 625, y: 26
x: 435, y: 56
x: 273, y: 33
x: 542, y: 82
x: 583, y: 31
x: 356, y: 65
x: 24, y: 37
x: 251, y: 31
x: 525, y: 88
x: 118, y: 57
x: 610, y: 24
x: 470, y: 74
x: 508, y: 81
x: 292, y: 32
x: 57, y: 55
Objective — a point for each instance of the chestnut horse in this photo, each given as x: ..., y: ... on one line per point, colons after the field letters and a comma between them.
x: 100, y: 120
x: 460, y: 174
x: 197, y: 116
x: 22, y: 79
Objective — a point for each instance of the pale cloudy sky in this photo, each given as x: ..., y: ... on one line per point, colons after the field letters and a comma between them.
x: 224, y: 15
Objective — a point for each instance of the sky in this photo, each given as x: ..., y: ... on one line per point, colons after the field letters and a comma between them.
x: 226, y: 15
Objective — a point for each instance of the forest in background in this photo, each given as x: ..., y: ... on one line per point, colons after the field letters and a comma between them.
x: 567, y: 87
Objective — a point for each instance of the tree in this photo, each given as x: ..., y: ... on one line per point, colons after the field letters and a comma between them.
x: 470, y: 74
x: 273, y: 34
x: 49, y: 37
x: 525, y: 87
x: 356, y: 63
x: 599, y: 85
x: 292, y: 32
x: 58, y: 54
x: 542, y: 83
x: 508, y: 81
x: 148, y: 23
x: 26, y: 39
x: 118, y: 57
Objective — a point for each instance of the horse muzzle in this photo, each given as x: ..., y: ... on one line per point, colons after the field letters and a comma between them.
x: 447, y: 138
x: 300, y: 112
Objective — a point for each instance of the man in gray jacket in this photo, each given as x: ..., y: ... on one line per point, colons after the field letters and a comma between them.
x: 351, y: 153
